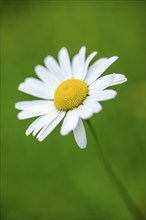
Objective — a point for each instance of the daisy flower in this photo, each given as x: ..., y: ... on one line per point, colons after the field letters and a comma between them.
x: 67, y: 90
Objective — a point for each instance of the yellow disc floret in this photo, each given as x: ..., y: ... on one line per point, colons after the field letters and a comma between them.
x: 70, y: 94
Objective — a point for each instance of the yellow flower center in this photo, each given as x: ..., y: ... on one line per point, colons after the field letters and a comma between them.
x: 70, y: 94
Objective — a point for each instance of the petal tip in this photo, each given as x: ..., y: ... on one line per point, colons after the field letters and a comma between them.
x: 82, y: 146
x: 46, y: 60
x: 115, y: 57
x: 19, y: 116
x: 16, y: 105
x: 40, y: 139
x: 20, y: 86
x: 36, y: 68
x: 27, y: 133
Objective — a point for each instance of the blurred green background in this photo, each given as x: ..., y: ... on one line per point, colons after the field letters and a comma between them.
x: 55, y: 179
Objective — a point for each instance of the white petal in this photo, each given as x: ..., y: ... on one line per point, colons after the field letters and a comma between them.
x: 78, y: 64
x: 93, y: 67
x: 54, y: 68
x: 36, y: 123
x: 94, y: 73
x: 64, y: 62
x: 88, y: 60
x: 80, y: 135
x: 49, y: 127
x: 35, y: 88
x: 70, y: 122
x: 106, y: 81
x: 44, y: 119
x: 118, y: 79
x: 101, y: 83
x: 34, y: 80
x: 95, y: 106
x: 33, y: 113
x: 51, y: 117
x: 97, y: 63
x: 105, y: 95
x: 84, y: 112
x: 46, y: 76
x: 30, y: 105
x: 90, y: 98
x: 42, y: 73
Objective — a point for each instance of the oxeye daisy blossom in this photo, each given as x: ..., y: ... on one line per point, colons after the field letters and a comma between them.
x: 68, y: 91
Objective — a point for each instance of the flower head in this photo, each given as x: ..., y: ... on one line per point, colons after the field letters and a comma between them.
x: 68, y: 91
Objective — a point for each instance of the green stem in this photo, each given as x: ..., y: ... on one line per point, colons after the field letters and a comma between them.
x: 121, y: 189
